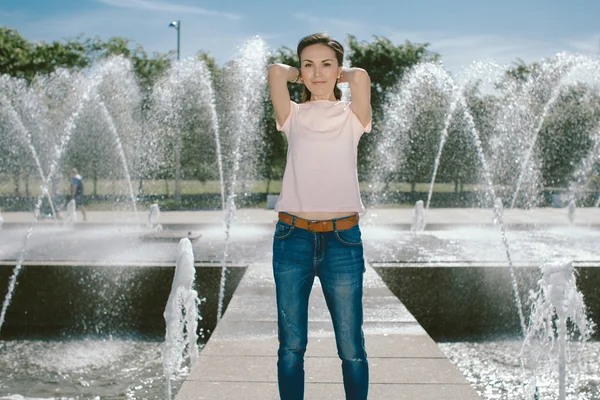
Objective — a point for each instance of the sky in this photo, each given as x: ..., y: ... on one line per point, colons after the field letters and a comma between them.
x: 461, y: 31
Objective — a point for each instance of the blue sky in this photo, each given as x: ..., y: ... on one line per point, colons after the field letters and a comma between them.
x: 462, y: 31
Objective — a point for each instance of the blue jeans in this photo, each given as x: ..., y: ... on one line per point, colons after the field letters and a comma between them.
x: 337, y: 259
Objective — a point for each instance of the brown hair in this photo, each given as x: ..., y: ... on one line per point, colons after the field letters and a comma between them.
x: 325, y: 39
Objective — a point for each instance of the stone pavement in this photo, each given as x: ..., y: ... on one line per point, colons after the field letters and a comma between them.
x: 239, y: 361
x: 399, y: 216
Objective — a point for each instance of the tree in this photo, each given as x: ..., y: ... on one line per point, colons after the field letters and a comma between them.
x: 521, y: 71
x: 147, y: 69
x: 386, y: 64
x: 22, y: 59
x: 569, y: 126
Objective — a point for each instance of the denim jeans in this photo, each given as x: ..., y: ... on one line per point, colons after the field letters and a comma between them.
x: 337, y: 259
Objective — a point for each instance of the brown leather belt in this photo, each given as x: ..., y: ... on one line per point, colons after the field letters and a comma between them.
x: 322, y: 225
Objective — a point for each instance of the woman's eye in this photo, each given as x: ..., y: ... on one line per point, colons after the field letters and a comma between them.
x: 306, y: 65
x: 327, y: 65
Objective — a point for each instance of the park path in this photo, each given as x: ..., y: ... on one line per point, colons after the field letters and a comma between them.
x: 239, y: 361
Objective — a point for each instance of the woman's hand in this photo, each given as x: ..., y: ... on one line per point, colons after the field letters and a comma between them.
x: 298, y: 78
x: 345, y: 75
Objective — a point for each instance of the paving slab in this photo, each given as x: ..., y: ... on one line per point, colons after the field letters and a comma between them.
x: 268, y: 391
x: 234, y: 368
x: 584, y: 216
x: 240, y: 359
x: 452, y: 235
x: 378, y: 346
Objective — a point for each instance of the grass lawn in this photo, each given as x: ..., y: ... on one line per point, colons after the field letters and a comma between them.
x: 162, y: 187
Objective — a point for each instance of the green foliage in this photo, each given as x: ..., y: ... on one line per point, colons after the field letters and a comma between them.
x: 521, y: 71
x: 424, y: 136
x: 147, y: 69
x: 459, y: 162
x: 211, y: 64
x: 569, y: 125
x: 22, y: 59
x: 386, y: 64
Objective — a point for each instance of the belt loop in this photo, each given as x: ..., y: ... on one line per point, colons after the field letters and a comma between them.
x: 293, y: 220
x: 334, y: 225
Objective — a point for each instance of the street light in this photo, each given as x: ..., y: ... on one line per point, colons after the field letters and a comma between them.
x: 176, y: 25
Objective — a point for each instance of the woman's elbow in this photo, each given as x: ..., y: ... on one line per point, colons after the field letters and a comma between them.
x: 275, y: 70
x: 361, y: 76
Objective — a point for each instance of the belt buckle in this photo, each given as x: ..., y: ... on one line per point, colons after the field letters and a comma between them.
x: 316, y: 222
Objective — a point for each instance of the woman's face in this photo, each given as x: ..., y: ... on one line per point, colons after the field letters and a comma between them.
x: 320, y: 69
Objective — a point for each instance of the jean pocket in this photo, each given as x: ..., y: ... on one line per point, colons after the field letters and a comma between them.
x: 283, y: 231
x: 349, y: 237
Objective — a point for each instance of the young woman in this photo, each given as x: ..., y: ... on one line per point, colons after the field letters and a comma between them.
x: 317, y: 233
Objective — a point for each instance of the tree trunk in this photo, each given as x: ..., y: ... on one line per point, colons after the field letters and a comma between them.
x: 269, y: 181
x: 141, y: 187
x: 386, y: 185
x: 413, y: 187
x: 178, y: 171
x: 167, y: 186
x: 95, y: 183
x: 17, y: 176
x: 27, y: 184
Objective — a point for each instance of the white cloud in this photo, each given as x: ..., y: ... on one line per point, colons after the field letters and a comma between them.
x: 588, y: 44
x: 324, y: 24
x: 146, y: 22
x: 221, y: 37
x: 163, y: 6
x: 461, y: 50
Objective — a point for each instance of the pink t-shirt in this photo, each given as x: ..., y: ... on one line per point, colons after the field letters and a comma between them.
x: 320, y: 172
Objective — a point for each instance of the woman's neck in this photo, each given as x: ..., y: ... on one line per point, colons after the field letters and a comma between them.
x: 330, y: 97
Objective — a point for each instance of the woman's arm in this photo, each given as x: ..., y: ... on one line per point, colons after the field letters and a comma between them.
x: 278, y: 77
x: 360, y: 88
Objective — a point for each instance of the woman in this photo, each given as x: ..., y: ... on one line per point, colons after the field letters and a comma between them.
x: 317, y: 233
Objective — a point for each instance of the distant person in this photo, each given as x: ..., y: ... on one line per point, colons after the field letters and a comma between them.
x: 77, y: 191
x: 317, y: 234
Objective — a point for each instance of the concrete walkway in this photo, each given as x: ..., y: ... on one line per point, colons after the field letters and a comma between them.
x: 239, y: 361
x: 378, y: 216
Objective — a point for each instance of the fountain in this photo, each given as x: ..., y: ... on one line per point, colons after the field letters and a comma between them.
x: 104, y: 118
x: 128, y: 138
x: 71, y: 215
x: 572, y: 207
x: 247, y: 78
x: 59, y: 149
x: 508, y: 164
x: 181, y: 316
x: 418, y: 224
x: 498, y: 211
x: 558, y: 315
x: 153, y: 216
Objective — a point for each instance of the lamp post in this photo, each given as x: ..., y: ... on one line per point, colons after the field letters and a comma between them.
x: 176, y: 25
